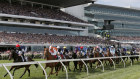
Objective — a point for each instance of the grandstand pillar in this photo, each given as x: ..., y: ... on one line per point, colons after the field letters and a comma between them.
x: 78, y: 33
x: 32, y: 4
x: 21, y: 3
x: 41, y: 6
x: 10, y: 1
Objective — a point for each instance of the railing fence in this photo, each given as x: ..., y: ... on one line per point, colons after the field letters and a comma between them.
x: 65, y: 60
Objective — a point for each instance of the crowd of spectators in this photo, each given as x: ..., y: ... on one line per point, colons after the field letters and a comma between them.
x: 30, y: 38
x: 126, y: 38
x: 138, y: 50
x: 4, y: 55
x: 36, y: 11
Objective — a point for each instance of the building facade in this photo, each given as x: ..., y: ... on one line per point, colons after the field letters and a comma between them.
x: 24, y: 24
x: 126, y: 20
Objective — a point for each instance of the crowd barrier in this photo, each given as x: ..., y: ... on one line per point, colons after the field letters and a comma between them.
x: 65, y: 60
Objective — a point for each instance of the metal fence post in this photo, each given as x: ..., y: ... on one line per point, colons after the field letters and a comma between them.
x: 43, y: 70
x: 113, y: 62
x: 8, y: 71
x: 123, y: 61
x: 86, y: 66
x: 130, y: 61
x: 101, y: 64
x: 65, y: 69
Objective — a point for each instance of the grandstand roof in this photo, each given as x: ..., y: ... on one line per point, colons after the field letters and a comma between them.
x: 111, y: 6
x: 62, y: 3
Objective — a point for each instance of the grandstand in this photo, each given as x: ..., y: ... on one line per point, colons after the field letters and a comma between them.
x: 27, y: 16
x: 38, y: 22
x: 125, y: 20
x: 33, y: 22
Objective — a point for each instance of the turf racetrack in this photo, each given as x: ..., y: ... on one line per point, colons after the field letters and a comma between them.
x: 130, y: 72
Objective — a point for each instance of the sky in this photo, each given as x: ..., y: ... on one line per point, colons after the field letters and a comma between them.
x: 121, y: 3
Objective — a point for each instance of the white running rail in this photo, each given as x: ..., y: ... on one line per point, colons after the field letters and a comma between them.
x: 65, y: 60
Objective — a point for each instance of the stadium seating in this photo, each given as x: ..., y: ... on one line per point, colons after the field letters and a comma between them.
x: 36, y: 11
x: 126, y: 38
x: 50, y: 13
x: 29, y: 38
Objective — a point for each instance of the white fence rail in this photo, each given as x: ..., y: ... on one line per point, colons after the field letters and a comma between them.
x: 65, y: 60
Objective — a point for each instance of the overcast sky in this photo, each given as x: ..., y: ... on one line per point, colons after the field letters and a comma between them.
x: 122, y: 3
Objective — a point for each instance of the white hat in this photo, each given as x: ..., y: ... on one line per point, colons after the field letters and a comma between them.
x: 58, y: 46
x: 50, y: 47
x: 111, y: 46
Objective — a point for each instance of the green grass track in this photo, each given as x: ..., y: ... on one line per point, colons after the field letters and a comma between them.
x: 130, y: 72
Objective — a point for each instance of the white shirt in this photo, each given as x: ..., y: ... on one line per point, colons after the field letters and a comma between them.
x: 112, y: 50
x: 54, y: 51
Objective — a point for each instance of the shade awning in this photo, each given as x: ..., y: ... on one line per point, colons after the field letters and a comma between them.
x: 62, y: 3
